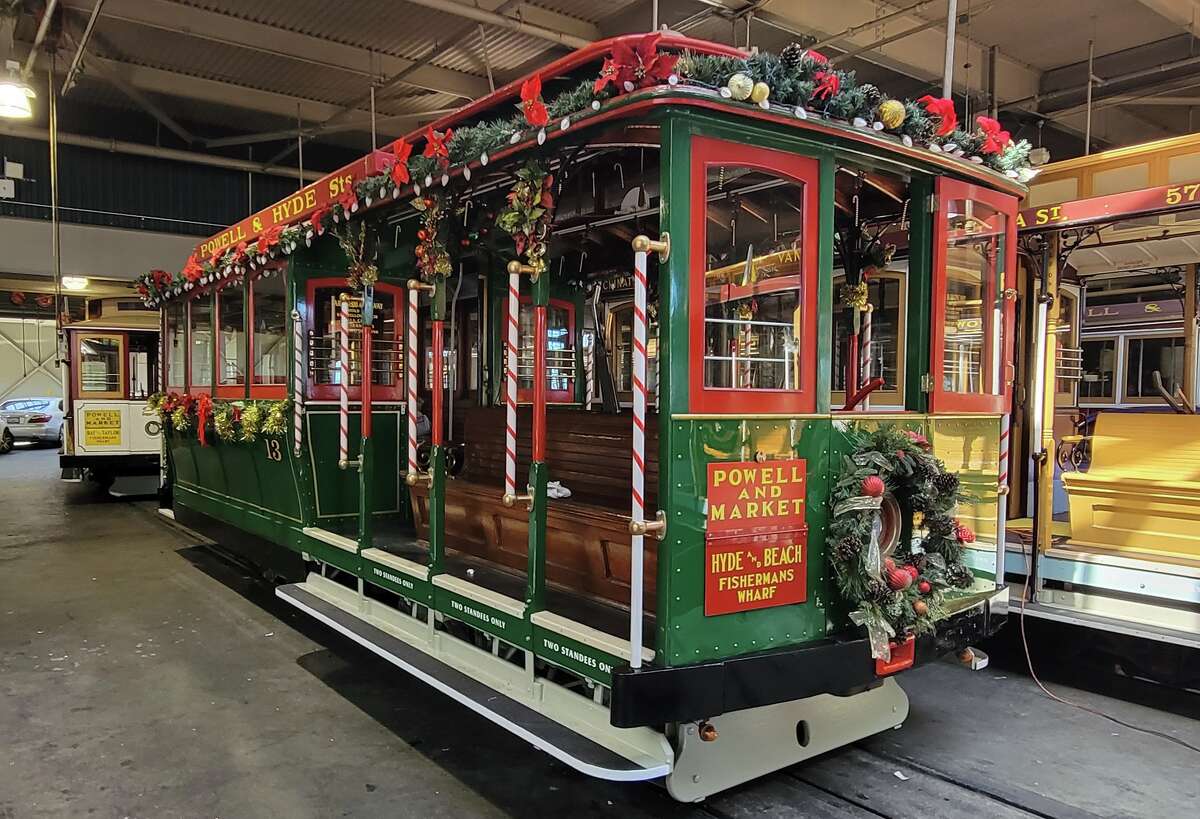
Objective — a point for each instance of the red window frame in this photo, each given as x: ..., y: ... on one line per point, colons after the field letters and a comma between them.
x: 164, y: 358
x: 332, y: 392
x: 257, y: 390
x: 525, y: 394
x: 193, y: 389
x: 942, y: 400
x: 804, y: 170
x: 238, y: 389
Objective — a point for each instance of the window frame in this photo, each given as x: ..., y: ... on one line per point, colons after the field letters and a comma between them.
x: 265, y: 391
x: 122, y: 392
x: 1073, y: 294
x: 942, y: 400
x: 881, y: 399
x: 237, y: 389
x: 1086, y: 402
x: 193, y: 389
x: 611, y: 326
x: 332, y: 392
x: 164, y: 358
x: 800, y: 169
x: 525, y: 394
x: 1123, y: 353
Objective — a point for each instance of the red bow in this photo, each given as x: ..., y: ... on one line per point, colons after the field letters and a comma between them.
x: 192, y: 270
x: 204, y: 407
x: 996, y: 139
x: 531, y: 102
x: 317, y: 217
x: 817, y: 57
x: 436, y: 145
x: 402, y: 151
x: 640, y: 65
x: 943, y: 109
x: 828, y: 84
x: 348, y: 199
x: 269, y: 238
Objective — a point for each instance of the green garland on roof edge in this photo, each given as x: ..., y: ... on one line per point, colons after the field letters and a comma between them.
x: 800, y: 81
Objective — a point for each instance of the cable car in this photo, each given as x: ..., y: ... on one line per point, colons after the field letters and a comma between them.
x: 654, y: 422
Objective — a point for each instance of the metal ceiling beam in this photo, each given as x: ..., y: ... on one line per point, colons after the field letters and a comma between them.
x: 500, y: 20
x: 216, y: 27
x: 357, y: 125
x: 43, y: 27
x: 81, y: 47
x: 1183, y: 13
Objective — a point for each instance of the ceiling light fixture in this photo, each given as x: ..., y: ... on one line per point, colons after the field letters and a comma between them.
x: 15, y: 93
x: 75, y: 282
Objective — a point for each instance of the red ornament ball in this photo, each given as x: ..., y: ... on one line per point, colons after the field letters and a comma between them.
x: 898, y: 579
x: 924, y: 587
x: 422, y: 235
x: 420, y: 251
x: 872, y: 486
x: 913, y: 572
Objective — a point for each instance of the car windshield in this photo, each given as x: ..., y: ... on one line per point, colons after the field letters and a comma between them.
x: 26, y: 404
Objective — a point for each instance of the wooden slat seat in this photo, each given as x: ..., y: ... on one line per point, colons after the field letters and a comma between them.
x: 1141, y: 492
x: 588, y: 549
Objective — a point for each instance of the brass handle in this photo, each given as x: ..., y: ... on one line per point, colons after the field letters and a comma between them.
x: 516, y: 268
x: 656, y: 527
x: 417, y: 284
x: 662, y: 246
x: 1010, y: 293
x: 414, y: 478
x: 512, y: 500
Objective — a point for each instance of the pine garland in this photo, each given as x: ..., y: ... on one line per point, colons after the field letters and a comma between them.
x: 232, y: 420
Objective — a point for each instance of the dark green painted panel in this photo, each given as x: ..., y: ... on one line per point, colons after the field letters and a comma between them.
x: 385, y: 577
x: 508, y: 627
x: 575, y: 656
x: 336, y: 490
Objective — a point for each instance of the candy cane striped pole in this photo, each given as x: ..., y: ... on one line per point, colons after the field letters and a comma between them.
x: 589, y: 375
x: 344, y: 392
x: 638, y: 527
x: 1002, y: 500
x: 410, y: 378
x: 510, y: 385
x: 865, y: 357
x: 297, y: 380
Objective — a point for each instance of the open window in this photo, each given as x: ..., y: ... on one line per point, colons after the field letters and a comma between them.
x: 974, y: 265
x: 175, y: 345
x: 1146, y: 355
x: 101, y: 370
x: 560, y: 352
x: 387, y: 360
x: 883, y: 343
x: 268, y: 336
x: 754, y: 294
x: 231, y: 339
x: 200, y: 342
x: 620, y: 335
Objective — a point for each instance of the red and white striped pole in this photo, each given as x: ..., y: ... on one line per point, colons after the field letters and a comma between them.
x: 510, y: 382
x: 344, y: 379
x: 410, y: 377
x: 1002, y: 500
x: 297, y: 381
x: 638, y: 526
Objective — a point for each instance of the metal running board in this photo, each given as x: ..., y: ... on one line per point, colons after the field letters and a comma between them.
x: 565, y: 745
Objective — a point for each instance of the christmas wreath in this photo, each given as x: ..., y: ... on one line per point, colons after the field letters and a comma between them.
x: 896, y: 584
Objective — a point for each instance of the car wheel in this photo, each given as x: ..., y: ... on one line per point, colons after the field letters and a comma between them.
x: 6, y: 442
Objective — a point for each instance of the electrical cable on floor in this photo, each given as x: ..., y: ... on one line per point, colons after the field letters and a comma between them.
x: 1080, y: 706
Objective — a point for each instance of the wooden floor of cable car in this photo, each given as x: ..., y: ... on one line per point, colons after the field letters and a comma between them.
x: 396, y: 538
x: 1019, y: 537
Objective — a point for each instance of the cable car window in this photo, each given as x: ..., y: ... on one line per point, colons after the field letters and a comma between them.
x: 175, y: 344
x: 1144, y: 357
x: 231, y: 317
x: 973, y: 238
x: 883, y: 337
x: 753, y: 280
x: 560, y: 351
x: 1099, y: 368
x: 143, y: 364
x: 101, y: 366
x: 269, y: 317
x: 621, y: 341
x: 201, y: 338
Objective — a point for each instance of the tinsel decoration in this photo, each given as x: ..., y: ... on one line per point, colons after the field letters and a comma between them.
x: 223, y: 423
x: 275, y: 422
x: 252, y: 416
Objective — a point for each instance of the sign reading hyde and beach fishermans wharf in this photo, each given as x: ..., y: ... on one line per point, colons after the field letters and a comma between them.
x: 756, y: 537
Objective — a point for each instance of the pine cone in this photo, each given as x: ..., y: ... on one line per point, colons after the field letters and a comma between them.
x: 959, y: 575
x: 792, y: 55
x: 946, y: 483
x: 939, y: 525
x: 846, y: 550
x: 871, y: 96
x: 877, y: 591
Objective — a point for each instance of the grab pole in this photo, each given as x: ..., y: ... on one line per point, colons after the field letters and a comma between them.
x: 510, y: 384
x: 1002, y: 500
x: 638, y: 526
x: 297, y: 381
x: 344, y: 461
x: 414, y: 474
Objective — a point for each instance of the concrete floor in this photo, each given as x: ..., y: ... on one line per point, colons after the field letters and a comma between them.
x: 141, y: 675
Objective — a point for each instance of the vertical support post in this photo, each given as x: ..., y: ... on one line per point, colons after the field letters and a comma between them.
x: 410, y: 379
x: 344, y: 381
x: 1189, y: 337
x: 1087, y: 130
x: 993, y: 95
x: 366, y: 472
x: 638, y: 527
x: 589, y: 374
x: 297, y: 381
x: 865, y: 355
x: 948, y: 70
x: 437, y: 459
x: 1002, y: 499
x: 510, y: 383
x: 1044, y: 409
x: 539, y: 476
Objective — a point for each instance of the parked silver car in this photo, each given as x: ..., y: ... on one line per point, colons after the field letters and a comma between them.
x: 34, y: 419
x: 6, y: 437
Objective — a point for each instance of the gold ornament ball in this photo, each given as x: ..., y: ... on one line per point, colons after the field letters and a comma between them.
x: 891, y: 113
x: 760, y: 92
x: 740, y: 86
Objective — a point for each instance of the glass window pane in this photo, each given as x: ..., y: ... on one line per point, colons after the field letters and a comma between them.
x: 387, y: 357
x: 881, y: 357
x: 974, y: 239
x: 100, y: 364
x: 1099, y: 368
x: 231, y: 303
x: 560, y: 352
x: 176, y: 344
x: 1150, y: 355
x: 270, y: 330
x: 752, y: 283
x: 201, y: 336
x: 143, y: 364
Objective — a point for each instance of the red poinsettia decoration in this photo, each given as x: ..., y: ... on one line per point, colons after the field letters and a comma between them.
x: 192, y: 271
x: 943, y: 110
x: 636, y: 66
x: 531, y: 102
x: 348, y: 200
x: 963, y: 533
x: 828, y: 84
x: 161, y: 279
x: 437, y: 145
x: 995, y: 138
x: 399, y: 172
x: 269, y: 238
x: 143, y: 290
x: 239, y: 252
x: 318, y: 219
x: 917, y: 438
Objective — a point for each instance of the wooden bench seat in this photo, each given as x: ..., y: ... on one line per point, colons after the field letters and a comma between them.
x: 1141, y: 493
x: 588, y: 549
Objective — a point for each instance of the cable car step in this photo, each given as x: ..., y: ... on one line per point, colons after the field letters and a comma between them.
x: 562, y: 743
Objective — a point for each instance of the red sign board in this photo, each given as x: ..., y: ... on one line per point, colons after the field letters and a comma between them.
x: 1109, y: 208
x: 757, y: 539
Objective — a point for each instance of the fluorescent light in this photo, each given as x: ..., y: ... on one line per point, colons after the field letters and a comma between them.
x: 75, y: 282
x: 15, y: 94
